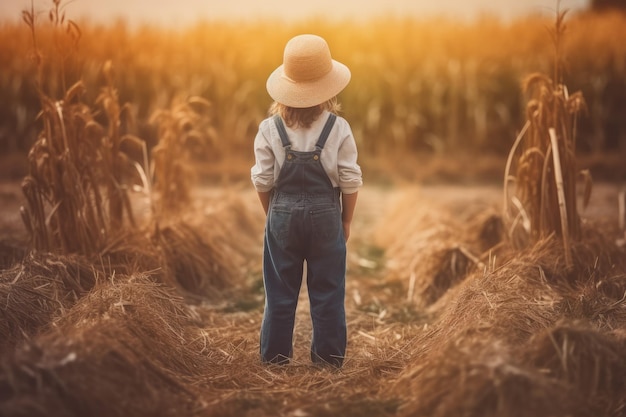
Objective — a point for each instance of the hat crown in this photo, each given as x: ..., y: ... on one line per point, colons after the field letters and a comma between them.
x: 308, y: 75
x: 307, y: 58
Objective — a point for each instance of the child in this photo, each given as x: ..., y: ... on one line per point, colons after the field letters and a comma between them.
x: 307, y: 178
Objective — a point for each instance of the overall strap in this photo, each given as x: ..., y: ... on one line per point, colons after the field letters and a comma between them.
x: 326, y: 131
x: 282, y: 132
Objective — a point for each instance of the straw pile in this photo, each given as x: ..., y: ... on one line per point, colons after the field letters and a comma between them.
x: 37, y: 290
x: 433, y: 249
x: 130, y: 347
x: 525, y: 336
x: 197, y: 263
x: 196, y: 251
x: 133, y: 347
x: 112, y: 335
x: 201, y: 253
x: 541, y: 331
x: 589, y: 361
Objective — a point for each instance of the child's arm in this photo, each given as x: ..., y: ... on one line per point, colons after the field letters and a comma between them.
x: 348, y: 202
x: 264, y: 196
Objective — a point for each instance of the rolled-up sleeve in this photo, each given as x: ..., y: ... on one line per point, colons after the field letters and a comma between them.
x: 262, y: 173
x: 350, y: 176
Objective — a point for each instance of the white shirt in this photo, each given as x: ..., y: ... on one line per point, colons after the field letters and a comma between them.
x: 339, y: 156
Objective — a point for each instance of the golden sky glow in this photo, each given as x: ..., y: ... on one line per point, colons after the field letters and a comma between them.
x: 178, y: 12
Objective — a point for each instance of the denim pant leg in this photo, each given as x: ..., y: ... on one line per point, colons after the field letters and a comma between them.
x: 326, y: 277
x: 282, y: 277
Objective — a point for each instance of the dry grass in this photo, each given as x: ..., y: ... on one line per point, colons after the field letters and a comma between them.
x: 173, y: 359
x: 493, y: 343
x: 434, y: 249
x: 201, y: 266
x: 522, y: 335
x: 38, y: 289
x: 126, y: 348
x: 581, y: 356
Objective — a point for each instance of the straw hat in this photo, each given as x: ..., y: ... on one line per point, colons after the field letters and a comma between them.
x: 308, y: 75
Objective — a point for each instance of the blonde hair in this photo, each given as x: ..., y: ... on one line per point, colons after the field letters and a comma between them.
x: 295, y: 117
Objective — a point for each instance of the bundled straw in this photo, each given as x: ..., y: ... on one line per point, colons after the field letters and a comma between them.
x: 128, y: 348
x: 432, y: 250
x: 197, y: 263
x: 498, y: 346
x: 39, y: 289
x: 592, y: 362
x: 481, y: 379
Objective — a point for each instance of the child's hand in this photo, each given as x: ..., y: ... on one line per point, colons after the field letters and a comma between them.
x: 348, y: 202
x: 346, y: 230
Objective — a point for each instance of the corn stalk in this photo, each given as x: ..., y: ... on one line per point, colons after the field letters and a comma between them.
x: 181, y: 128
x: 544, y: 159
x: 75, y: 192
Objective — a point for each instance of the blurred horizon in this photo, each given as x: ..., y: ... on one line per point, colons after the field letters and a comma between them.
x: 185, y: 12
x: 429, y: 86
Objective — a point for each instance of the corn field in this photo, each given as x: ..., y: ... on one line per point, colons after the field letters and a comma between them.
x: 418, y: 85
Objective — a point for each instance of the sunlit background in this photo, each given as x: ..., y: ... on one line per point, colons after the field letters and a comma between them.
x: 180, y: 12
x: 439, y: 78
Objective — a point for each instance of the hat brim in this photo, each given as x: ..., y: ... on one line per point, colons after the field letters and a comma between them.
x: 303, y: 94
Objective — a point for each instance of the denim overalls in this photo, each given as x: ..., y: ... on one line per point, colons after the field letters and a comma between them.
x: 304, y: 223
